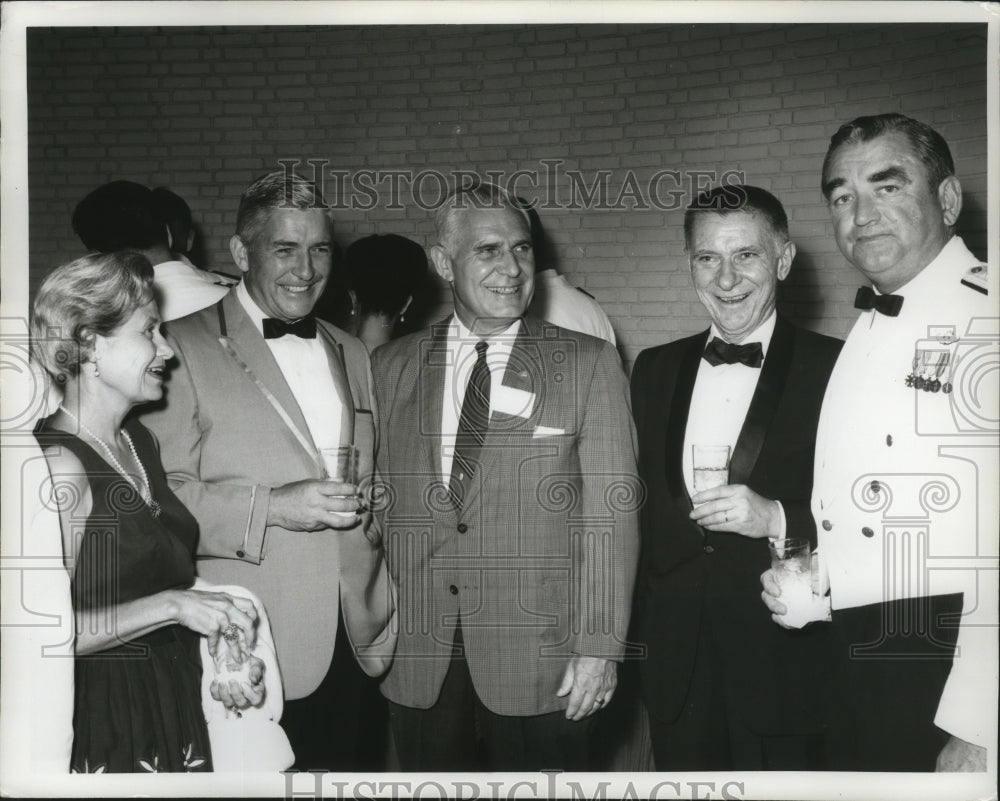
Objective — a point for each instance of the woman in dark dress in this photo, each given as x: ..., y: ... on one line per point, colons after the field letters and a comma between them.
x: 128, y: 542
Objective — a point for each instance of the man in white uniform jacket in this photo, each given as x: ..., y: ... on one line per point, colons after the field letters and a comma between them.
x: 906, y: 462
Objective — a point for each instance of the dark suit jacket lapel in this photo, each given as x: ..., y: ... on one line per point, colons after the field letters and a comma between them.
x: 770, y: 385
x: 249, y: 345
x: 335, y: 357
x: 680, y: 406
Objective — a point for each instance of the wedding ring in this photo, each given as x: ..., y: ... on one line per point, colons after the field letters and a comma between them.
x: 231, y: 632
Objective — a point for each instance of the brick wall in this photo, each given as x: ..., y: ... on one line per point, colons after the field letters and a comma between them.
x: 205, y: 110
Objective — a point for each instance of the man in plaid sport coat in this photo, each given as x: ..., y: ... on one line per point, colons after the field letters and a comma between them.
x: 513, y: 538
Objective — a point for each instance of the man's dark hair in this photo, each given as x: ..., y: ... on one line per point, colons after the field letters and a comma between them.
x: 120, y: 215
x: 384, y: 270
x: 732, y: 198
x: 927, y: 143
x: 176, y: 215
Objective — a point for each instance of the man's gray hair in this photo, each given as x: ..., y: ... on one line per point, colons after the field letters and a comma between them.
x: 281, y: 189
x: 482, y: 195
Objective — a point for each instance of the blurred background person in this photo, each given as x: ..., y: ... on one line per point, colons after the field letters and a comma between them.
x: 175, y: 213
x: 382, y: 276
x: 128, y: 542
x: 124, y: 215
x: 555, y: 300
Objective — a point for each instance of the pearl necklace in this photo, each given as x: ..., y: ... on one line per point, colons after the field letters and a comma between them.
x: 146, y: 496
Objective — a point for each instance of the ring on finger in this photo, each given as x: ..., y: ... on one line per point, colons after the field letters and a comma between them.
x: 231, y: 632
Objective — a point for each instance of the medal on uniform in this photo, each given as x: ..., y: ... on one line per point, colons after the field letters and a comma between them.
x: 928, y: 368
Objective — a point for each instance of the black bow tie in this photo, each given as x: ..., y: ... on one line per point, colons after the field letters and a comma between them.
x: 866, y: 299
x: 719, y: 352
x: 304, y: 328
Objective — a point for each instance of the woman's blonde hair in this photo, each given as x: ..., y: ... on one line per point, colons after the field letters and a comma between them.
x: 92, y: 295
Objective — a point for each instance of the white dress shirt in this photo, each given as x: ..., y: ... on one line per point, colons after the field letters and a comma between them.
x: 720, y: 401
x: 461, y: 358
x: 304, y: 364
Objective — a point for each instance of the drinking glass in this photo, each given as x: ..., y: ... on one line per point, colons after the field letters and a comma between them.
x: 790, y: 561
x: 711, y: 466
x: 341, y: 464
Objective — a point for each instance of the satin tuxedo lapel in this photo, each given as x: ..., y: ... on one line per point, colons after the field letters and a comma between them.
x: 251, y: 348
x: 763, y: 405
x: 680, y: 407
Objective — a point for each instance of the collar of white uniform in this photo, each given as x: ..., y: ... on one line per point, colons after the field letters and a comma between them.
x: 549, y: 277
x: 762, y: 333
x: 174, y: 268
x: 950, y: 263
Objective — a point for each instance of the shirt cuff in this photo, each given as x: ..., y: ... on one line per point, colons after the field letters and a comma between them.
x: 782, y: 524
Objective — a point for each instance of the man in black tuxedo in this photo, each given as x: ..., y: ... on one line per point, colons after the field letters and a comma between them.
x: 724, y: 687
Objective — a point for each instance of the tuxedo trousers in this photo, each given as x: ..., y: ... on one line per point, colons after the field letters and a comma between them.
x: 894, y: 660
x: 340, y: 726
x: 711, y: 733
x: 459, y: 733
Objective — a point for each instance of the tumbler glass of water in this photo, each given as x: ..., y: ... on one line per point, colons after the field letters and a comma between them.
x: 790, y: 561
x: 711, y: 466
x: 341, y: 464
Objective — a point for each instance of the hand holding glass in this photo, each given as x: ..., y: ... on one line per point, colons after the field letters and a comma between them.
x: 341, y: 465
x: 791, y: 563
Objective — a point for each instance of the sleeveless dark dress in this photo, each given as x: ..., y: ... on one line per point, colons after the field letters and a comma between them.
x: 138, y: 704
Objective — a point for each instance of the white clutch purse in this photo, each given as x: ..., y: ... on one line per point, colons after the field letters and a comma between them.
x: 252, y: 741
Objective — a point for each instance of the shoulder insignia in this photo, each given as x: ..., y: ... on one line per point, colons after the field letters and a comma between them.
x: 585, y: 292
x: 976, y: 278
x: 223, y: 279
